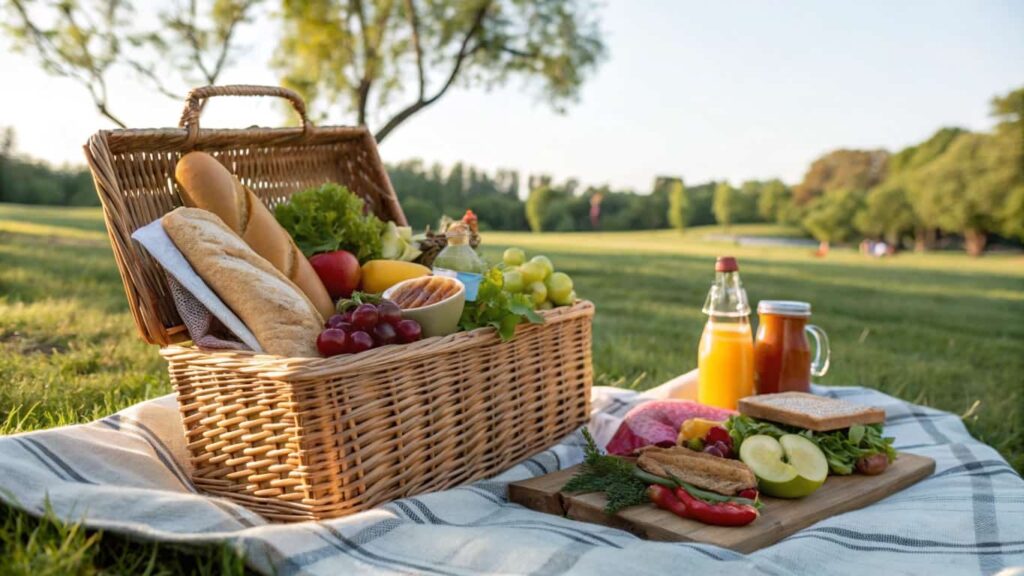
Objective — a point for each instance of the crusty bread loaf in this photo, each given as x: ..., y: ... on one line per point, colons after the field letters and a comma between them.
x: 722, y: 475
x: 279, y: 314
x: 808, y: 411
x: 207, y: 184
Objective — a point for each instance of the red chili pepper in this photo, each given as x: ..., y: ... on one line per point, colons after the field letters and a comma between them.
x: 683, y: 505
x: 721, y: 514
x: 664, y: 498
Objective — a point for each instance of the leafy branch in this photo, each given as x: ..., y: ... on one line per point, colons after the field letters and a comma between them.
x: 87, y: 41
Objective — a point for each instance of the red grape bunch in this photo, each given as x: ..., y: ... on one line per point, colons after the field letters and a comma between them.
x: 367, y: 326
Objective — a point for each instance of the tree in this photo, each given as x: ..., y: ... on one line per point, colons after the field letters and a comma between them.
x: 725, y: 204
x: 88, y: 41
x: 359, y: 54
x: 429, y: 193
x: 1009, y: 110
x: 886, y: 213
x: 917, y: 156
x: 700, y: 199
x: 537, y: 204
x: 677, y: 205
x: 746, y: 205
x: 904, y: 174
x: 830, y: 218
x: 842, y: 170
x: 1012, y: 214
x: 773, y: 198
x: 970, y: 184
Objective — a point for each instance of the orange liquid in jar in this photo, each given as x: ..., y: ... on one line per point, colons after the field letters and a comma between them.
x: 782, y: 355
x: 726, y: 363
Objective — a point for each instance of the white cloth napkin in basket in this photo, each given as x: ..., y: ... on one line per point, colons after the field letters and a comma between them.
x: 199, y: 307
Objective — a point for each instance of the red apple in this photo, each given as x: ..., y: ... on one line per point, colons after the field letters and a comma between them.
x: 339, y: 271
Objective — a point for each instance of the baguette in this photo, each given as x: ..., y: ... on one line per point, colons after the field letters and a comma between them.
x: 207, y: 184
x: 722, y: 475
x: 279, y: 314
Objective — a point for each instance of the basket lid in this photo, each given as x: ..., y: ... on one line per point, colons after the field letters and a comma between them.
x: 133, y: 172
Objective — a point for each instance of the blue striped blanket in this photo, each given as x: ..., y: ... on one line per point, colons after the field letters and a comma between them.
x: 127, y: 473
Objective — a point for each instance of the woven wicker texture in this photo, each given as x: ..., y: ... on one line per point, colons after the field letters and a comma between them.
x: 312, y: 438
x: 134, y: 176
x: 301, y: 439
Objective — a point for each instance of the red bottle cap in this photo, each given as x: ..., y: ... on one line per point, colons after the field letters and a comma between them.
x: 726, y: 264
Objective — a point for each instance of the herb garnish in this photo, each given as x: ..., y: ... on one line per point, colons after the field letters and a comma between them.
x: 609, y: 474
x: 625, y: 484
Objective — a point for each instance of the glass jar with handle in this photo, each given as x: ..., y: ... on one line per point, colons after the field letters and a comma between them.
x: 782, y: 353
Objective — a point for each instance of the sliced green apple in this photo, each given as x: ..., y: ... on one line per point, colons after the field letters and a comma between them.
x: 766, y: 458
x: 790, y: 467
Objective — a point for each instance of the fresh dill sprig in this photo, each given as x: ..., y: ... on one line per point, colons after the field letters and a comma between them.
x: 608, y: 474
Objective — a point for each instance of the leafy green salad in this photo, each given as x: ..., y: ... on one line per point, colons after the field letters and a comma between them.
x: 331, y: 218
x: 842, y: 448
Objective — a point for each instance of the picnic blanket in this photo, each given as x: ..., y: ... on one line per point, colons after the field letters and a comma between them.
x: 127, y: 473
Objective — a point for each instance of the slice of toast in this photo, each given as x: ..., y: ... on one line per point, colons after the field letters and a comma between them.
x: 809, y: 411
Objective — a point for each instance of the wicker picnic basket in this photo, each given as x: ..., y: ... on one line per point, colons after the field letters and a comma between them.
x: 312, y: 438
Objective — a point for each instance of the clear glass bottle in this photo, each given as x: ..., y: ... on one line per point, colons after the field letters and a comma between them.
x: 726, y: 354
x: 459, y: 260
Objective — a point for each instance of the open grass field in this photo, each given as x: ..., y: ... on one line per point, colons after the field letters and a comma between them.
x: 939, y: 329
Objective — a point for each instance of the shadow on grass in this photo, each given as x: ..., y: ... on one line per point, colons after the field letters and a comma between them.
x: 33, y: 269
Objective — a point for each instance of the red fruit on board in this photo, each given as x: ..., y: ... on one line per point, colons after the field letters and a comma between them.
x: 339, y: 271
x: 359, y: 341
x: 408, y: 331
x: 714, y: 451
x: 723, y: 448
x: 718, y: 434
x: 749, y: 494
x: 332, y: 342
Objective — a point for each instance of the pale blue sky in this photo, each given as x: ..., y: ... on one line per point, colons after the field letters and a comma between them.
x: 706, y: 90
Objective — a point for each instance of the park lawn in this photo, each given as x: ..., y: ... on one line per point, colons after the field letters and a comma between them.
x: 938, y: 329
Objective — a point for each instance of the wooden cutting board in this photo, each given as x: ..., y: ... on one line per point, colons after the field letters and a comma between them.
x: 779, y: 518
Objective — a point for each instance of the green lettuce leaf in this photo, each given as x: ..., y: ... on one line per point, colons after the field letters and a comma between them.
x: 331, y: 218
x: 842, y: 448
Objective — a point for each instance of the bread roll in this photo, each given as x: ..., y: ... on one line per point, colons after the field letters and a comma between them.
x: 279, y: 314
x: 207, y: 184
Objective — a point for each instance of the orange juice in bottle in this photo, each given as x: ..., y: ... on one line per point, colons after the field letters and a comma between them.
x: 726, y: 354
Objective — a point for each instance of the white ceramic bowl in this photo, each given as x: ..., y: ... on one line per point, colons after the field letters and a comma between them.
x: 437, y: 319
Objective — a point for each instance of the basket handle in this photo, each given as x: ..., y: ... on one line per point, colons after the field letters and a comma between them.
x: 196, y: 101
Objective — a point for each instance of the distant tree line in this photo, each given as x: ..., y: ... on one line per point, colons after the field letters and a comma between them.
x: 427, y: 193
x: 959, y: 184
x: 27, y: 181
x: 954, y: 185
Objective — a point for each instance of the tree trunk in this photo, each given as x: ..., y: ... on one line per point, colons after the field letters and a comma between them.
x: 924, y: 239
x: 974, y: 241
x: 893, y: 239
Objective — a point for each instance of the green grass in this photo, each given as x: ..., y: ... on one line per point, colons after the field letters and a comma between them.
x: 939, y: 329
